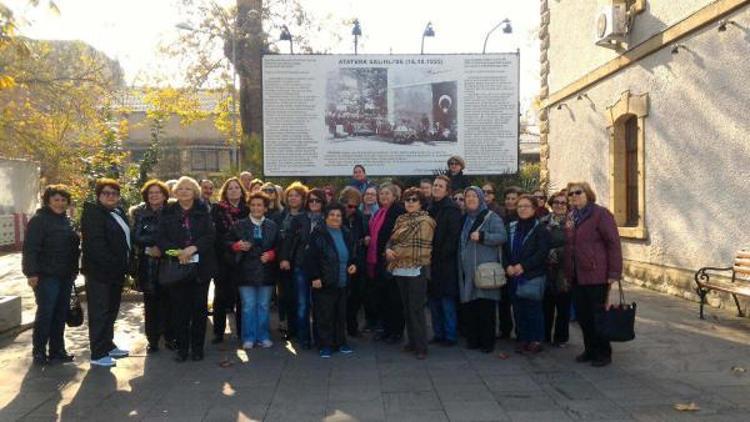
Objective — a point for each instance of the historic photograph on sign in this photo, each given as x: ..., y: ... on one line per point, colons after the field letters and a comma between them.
x: 416, y: 106
x: 356, y: 102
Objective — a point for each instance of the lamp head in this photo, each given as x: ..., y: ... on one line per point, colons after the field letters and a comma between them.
x: 356, y: 30
x: 507, y: 28
x: 428, y: 31
x: 285, y: 34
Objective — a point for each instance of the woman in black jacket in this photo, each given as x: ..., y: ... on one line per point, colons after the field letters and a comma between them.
x: 252, y: 242
x: 354, y: 221
x: 390, y: 308
x: 145, y: 229
x: 329, y: 262
x: 297, y: 230
x: 50, y: 263
x: 106, y: 255
x: 231, y: 208
x: 187, y: 235
x: 442, y: 287
x: 525, y: 260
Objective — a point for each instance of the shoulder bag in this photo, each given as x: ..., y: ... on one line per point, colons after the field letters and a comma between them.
x: 488, y: 275
x: 616, y: 322
x: 75, y: 310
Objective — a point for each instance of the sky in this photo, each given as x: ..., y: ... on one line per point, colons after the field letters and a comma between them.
x: 131, y: 31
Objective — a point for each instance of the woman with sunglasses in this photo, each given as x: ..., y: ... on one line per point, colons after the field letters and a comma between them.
x: 354, y: 221
x: 275, y: 207
x: 409, y: 254
x: 458, y: 199
x: 456, y: 167
x: 294, y: 244
x: 593, y: 261
x: 557, y: 294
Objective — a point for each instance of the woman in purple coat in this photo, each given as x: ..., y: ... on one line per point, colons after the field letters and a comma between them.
x: 593, y: 261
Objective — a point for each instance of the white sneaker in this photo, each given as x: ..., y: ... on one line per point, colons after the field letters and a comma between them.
x: 247, y: 345
x: 118, y: 353
x: 105, y: 361
x: 266, y: 344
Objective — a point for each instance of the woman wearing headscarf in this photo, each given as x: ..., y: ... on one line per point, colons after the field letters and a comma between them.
x: 482, y: 233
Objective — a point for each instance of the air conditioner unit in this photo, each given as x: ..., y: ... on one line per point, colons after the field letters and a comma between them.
x: 611, y: 26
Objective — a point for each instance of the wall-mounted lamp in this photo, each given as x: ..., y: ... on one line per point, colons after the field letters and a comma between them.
x: 561, y: 105
x: 585, y: 96
x: 723, y: 24
x: 677, y: 47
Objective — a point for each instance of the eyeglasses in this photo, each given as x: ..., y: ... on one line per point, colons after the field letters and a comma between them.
x: 453, y: 163
x: 411, y: 199
x: 314, y: 201
x: 540, y: 197
x: 489, y: 192
x: 575, y: 192
x: 459, y: 198
x: 110, y: 193
x: 269, y: 190
x: 559, y: 202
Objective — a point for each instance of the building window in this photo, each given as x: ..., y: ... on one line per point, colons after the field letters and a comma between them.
x: 627, y: 164
x: 205, y: 160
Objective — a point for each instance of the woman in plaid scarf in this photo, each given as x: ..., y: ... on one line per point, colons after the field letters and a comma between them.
x: 409, y: 252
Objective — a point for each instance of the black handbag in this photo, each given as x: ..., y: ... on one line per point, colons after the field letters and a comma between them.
x: 617, y: 322
x: 75, y: 311
x: 171, y: 272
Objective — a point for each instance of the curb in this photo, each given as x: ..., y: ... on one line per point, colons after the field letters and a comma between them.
x: 13, y: 332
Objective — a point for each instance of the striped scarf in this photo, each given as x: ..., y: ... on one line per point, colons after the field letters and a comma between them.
x: 411, y: 240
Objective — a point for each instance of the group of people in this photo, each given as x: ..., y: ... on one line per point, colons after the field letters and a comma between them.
x: 368, y: 260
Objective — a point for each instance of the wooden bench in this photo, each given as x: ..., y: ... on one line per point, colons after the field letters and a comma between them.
x: 739, y: 285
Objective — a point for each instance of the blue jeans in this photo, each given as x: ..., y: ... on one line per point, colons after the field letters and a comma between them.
x: 256, y: 303
x: 52, y: 302
x: 529, y: 316
x: 302, y: 287
x: 444, y: 318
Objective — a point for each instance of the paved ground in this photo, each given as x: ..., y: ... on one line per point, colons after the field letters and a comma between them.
x: 676, y: 359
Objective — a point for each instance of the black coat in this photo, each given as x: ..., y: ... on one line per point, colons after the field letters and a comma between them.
x: 534, y: 251
x: 223, y: 221
x: 358, y: 230
x: 144, y: 233
x: 250, y: 271
x: 444, y: 269
x: 51, y: 246
x: 322, y: 259
x: 295, y: 235
x: 384, y: 235
x: 105, y: 247
x: 459, y: 181
x: 173, y: 234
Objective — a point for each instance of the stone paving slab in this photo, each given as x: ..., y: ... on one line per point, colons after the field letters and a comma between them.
x: 676, y: 358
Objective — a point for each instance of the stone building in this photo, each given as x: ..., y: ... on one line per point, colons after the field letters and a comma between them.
x: 198, y: 149
x: 646, y: 100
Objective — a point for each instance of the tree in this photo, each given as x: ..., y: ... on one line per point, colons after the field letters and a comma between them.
x: 57, y: 109
x: 243, y: 32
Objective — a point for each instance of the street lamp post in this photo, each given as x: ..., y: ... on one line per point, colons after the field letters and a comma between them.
x: 287, y: 36
x: 357, y: 32
x: 428, y: 32
x: 507, y: 29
